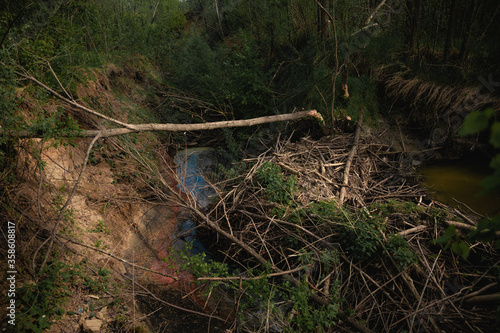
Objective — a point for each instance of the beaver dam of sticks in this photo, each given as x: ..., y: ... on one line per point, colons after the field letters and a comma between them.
x: 336, y: 235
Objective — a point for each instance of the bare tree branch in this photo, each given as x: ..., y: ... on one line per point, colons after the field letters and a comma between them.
x: 73, y: 103
x: 350, y: 158
x: 253, y: 277
x: 180, y: 127
x: 135, y: 128
x: 71, y: 240
x: 370, y: 18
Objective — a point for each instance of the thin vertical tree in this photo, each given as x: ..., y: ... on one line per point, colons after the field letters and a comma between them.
x: 449, y: 32
x: 411, y: 24
x: 472, y: 11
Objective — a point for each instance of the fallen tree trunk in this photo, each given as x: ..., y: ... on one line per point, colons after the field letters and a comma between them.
x: 136, y: 128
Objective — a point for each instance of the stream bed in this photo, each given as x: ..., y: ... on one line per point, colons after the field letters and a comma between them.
x: 192, y: 166
x: 457, y: 183
x: 157, y: 245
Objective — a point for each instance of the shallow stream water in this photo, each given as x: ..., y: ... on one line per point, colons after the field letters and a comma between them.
x: 192, y: 167
x: 457, y: 183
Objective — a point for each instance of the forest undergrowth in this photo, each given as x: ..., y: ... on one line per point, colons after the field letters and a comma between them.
x: 389, y: 258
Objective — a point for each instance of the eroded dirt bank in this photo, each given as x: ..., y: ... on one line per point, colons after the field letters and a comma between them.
x: 109, y: 225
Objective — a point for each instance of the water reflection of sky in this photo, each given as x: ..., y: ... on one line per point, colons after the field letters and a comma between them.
x: 191, y: 164
x: 452, y: 181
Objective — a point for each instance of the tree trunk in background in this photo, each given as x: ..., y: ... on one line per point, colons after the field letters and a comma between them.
x: 323, y: 20
x: 472, y: 10
x: 411, y: 24
x: 438, y: 23
x: 449, y: 33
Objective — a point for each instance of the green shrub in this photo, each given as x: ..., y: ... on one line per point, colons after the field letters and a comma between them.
x: 277, y: 187
x: 199, y: 265
x: 43, y: 302
x: 399, y: 250
x: 310, y: 318
x: 360, y: 232
x: 362, y: 238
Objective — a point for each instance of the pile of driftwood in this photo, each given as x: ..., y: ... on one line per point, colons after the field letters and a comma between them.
x: 438, y: 292
x: 326, y: 170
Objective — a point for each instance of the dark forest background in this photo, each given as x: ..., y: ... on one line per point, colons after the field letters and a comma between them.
x: 253, y: 58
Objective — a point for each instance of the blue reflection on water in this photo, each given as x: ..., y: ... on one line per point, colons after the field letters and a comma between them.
x: 191, y: 166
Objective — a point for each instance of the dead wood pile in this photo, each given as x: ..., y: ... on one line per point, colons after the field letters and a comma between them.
x: 376, y: 171
x: 346, y: 254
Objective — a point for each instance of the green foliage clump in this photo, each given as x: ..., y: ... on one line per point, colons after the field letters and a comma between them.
x: 479, y: 121
x: 362, y: 238
x: 263, y: 294
x: 399, y: 250
x: 233, y: 172
x: 197, y: 68
x: 232, y: 146
x: 297, y: 216
x: 8, y: 104
x: 233, y: 78
x: 486, y: 231
x: 101, y: 227
x: 198, y: 264
x: 393, y: 206
x: 246, y: 83
x: 8, y: 118
x: 363, y: 97
x: 327, y: 211
x: 55, y: 125
x: 100, y: 283
x: 42, y: 303
x: 277, y: 187
x: 309, y: 318
x: 451, y: 239
x: 360, y: 232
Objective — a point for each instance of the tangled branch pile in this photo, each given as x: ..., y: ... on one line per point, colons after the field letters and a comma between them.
x: 320, y: 165
x: 371, y: 260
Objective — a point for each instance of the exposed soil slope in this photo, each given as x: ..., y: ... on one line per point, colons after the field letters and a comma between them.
x: 113, y: 216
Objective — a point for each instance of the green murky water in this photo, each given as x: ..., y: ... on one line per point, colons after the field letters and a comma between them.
x: 457, y: 183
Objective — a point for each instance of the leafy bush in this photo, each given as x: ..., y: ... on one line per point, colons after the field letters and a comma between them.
x: 487, y: 228
x: 197, y: 68
x: 8, y: 107
x: 199, y: 265
x: 399, y: 250
x: 480, y: 121
x: 42, y: 303
x: 451, y: 239
x: 360, y: 232
x: 309, y: 318
x: 277, y: 187
x: 362, y: 238
x: 54, y: 125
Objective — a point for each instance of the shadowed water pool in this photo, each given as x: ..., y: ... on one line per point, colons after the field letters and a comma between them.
x: 457, y: 183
